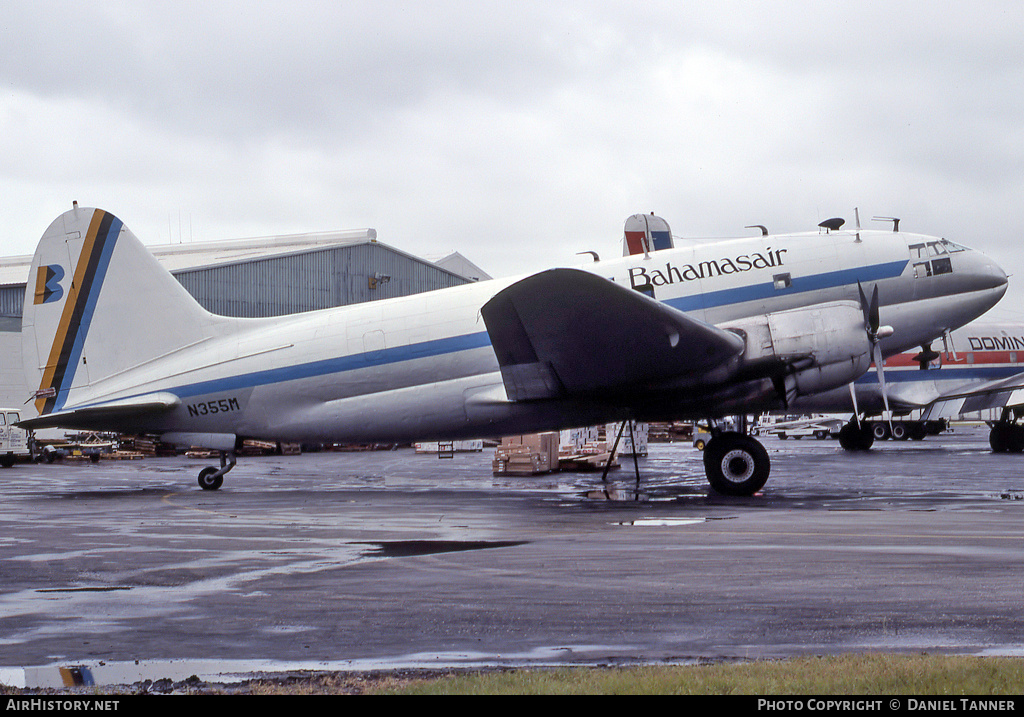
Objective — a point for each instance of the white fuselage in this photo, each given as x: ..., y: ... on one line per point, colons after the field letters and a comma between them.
x: 422, y: 366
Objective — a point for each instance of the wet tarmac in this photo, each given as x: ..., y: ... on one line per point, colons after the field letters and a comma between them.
x: 359, y: 561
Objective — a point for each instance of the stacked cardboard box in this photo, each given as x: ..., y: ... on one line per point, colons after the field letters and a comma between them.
x: 626, y: 446
x: 530, y: 454
x: 577, y: 440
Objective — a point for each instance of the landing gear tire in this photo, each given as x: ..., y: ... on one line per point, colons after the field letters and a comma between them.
x: 1006, y: 438
x: 855, y: 438
x: 736, y: 464
x: 209, y: 478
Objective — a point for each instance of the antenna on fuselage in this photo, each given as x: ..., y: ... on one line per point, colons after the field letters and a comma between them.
x: 895, y: 221
x: 762, y: 227
x: 831, y: 225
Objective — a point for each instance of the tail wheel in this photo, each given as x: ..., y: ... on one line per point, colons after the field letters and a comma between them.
x: 736, y: 464
x: 209, y: 480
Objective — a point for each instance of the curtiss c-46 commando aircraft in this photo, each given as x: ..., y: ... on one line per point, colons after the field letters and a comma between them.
x: 114, y: 342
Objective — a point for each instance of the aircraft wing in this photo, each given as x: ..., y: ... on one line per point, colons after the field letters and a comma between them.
x: 568, y: 332
x: 111, y: 413
x: 1001, y: 393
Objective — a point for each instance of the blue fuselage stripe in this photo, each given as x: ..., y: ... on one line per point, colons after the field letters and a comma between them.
x: 340, y: 364
x: 946, y: 373
x: 800, y: 284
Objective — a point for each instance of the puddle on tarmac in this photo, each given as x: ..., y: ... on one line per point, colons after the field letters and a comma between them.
x: 407, y: 548
x: 661, y: 522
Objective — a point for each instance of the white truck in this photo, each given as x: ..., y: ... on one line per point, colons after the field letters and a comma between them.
x: 14, y: 441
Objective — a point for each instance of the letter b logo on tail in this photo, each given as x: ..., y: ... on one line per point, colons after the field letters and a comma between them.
x: 48, y: 286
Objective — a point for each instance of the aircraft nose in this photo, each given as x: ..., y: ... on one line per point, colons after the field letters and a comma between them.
x: 996, y: 274
x: 985, y: 279
x: 984, y: 273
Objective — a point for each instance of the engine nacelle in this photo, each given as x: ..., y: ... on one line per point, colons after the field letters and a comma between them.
x: 811, y: 349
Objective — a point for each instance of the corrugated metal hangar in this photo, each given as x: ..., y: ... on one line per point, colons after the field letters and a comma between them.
x: 267, y: 276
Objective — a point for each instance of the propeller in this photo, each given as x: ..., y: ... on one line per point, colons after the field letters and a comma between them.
x: 875, y: 333
x: 926, y: 356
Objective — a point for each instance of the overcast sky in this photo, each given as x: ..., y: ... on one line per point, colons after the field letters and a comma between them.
x: 517, y: 133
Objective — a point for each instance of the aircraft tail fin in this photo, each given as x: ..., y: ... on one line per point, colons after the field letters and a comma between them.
x: 98, y: 304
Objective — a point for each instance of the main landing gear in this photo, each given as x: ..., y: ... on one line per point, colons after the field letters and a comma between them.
x: 856, y: 436
x: 1006, y: 435
x: 211, y: 477
x: 735, y: 463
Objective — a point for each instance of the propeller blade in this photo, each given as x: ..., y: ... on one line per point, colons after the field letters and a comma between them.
x: 874, y: 313
x: 864, y: 308
x: 870, y: 310
x: 877, y: 356
x: 853, y: 397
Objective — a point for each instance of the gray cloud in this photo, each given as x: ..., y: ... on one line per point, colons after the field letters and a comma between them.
x: 518, y: 133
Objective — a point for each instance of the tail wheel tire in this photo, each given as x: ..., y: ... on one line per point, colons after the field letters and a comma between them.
x: 736, y: 464
x: 209, y: 480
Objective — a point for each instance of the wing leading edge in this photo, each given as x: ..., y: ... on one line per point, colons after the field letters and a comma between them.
x: 568, y: 332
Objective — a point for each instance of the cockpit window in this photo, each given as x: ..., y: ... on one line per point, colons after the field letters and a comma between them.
x: 932, y: 258
x: 927, y: 250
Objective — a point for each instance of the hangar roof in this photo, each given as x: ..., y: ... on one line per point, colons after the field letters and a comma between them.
x: 195, y: 255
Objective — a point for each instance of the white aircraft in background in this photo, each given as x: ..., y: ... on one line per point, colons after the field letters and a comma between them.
x: 740, y: 326
x: 980, y: 368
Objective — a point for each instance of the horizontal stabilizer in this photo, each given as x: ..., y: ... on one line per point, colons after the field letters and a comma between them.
x: 1002, y: 393
x: 112, y: 415
x: 568, y: 332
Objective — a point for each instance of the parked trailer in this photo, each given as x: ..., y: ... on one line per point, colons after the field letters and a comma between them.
x: 798, y: 427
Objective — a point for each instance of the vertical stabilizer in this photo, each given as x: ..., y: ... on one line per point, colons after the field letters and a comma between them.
x: 97, y: 304
x: 645, y: 233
